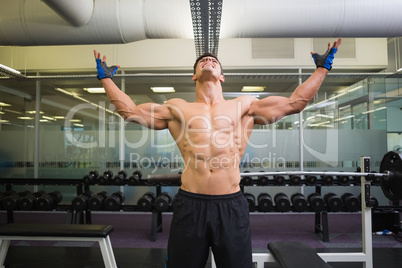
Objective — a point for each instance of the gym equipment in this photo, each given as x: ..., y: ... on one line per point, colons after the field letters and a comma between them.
x: 278, y: 179
x: 392, y: 185
x: 28, y: 202
x: 120, y: 178
x: 11, y: 202
x: 342, y: 179
x: 91, y: 178
x: 282, y: 202
x: 351, y: 202
x: 113, y: 202
x: 135, y: 178
x: 317, y: 203
x: 373, y: 202
x: 4, y: 195
x: 334, y: 202
x: 106, y: 178
x: 311, y: 179
x: 251, y: 201
x: 80, y: 202
x: 327, y: 179
x: 96, y: 202
x: 299, y: 202
x: 49, y: 201
x: 390, y: 175
x: 146, y: 201
x: 263, y: 180
x: 295, y: 179
x: 264, y: 202
x: 163, y: 201
x: 247, y: 180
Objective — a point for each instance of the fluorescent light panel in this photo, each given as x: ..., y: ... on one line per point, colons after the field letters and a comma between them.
x: 4, y: 104
x: 163, y: 89
x: 95, y: 90
x: 253, y: 88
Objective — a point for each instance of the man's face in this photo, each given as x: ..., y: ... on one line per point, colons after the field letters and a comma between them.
x: 208, y: 65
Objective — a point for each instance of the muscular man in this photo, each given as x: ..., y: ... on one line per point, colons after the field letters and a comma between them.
x: 212, y: 134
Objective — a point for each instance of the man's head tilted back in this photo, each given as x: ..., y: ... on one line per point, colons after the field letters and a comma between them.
x: 206, y: 55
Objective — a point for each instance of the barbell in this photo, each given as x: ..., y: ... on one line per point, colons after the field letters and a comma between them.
x: 390, y: 175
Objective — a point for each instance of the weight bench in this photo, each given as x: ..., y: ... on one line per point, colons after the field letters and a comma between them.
x: 295, y: 254
x: 58, y: 232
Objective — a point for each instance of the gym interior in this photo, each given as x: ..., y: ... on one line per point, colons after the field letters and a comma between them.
x: 67, y: 157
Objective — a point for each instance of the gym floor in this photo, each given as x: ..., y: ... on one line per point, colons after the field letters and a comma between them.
x: 133, y: 248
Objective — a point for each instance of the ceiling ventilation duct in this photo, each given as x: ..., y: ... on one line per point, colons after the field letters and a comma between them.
x: 33, y: 23
x: 76, y: 12
x: 311, y: 18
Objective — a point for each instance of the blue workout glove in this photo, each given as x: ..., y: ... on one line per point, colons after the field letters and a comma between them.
x: 104, y: 71
x: 326, y: 59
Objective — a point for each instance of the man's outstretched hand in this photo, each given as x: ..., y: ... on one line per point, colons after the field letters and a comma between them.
x: 326, y: 59
x: 103, y: 70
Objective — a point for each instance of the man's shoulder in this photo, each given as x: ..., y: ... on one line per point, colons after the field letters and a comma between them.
x: 176, y: 101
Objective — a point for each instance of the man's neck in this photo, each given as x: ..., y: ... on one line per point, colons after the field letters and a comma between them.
x: 209, y: 92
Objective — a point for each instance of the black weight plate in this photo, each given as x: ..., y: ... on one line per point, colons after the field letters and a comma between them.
x: 392, y: 186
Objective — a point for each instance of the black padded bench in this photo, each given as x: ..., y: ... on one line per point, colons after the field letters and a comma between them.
x: 295, y: 254
x: 58, y: 232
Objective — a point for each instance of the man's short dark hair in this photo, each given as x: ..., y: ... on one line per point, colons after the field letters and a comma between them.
x: 206, y: 55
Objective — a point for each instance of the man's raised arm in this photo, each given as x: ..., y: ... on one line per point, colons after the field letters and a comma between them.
x: 271, y: 109
x: 150, y: 115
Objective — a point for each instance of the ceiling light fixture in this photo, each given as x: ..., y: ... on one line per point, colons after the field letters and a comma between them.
x: 10, y: 71
x: 4, y: 104
x: 25, y: 117
x: 163, y: 89
x: 95, y: 90
x: 253, y: 88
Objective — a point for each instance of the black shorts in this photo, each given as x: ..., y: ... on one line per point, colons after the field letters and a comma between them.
x: 201, y: 222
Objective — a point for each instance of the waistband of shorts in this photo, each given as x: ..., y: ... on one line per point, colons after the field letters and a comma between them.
x: 210, y: 197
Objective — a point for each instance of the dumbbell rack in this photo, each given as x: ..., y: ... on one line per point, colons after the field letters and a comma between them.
x: 71, y: 216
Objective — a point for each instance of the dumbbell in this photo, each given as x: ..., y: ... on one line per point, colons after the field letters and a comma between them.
x: 135, y: 178
x: 263, y: 180
x: 96, y: 202
x: 28, y: 202
x: 351, y: 202
x: 11, y: 202
x: 376, y: 180
x: 4, y: 195
x: 299, y: 202
x: 49, y: 201
x: 106, y: 178
x: 251, y: 201
x: 334, y: 203
x: 162, y: 202
x: 311, y: 180
x: 279, y: 180
x: 373, y: 202
x: 80, y: 202
x: 357, y: 179
x: 264, y: 202
x: 327, y: 179
x: 146, y: 201
x: 91, y: 178
x: 120, y: 178
x: 114, y: 201
x: 316, y: 202
x: 295, y: 179
x: 282, y: 202
x: 247, y: 180
x: 342, y: 179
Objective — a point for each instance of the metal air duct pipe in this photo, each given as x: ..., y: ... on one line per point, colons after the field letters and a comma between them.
x: 311, y: 18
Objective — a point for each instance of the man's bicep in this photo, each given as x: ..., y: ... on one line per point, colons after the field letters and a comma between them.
x: 153, y: 115
x: 270, y: 109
